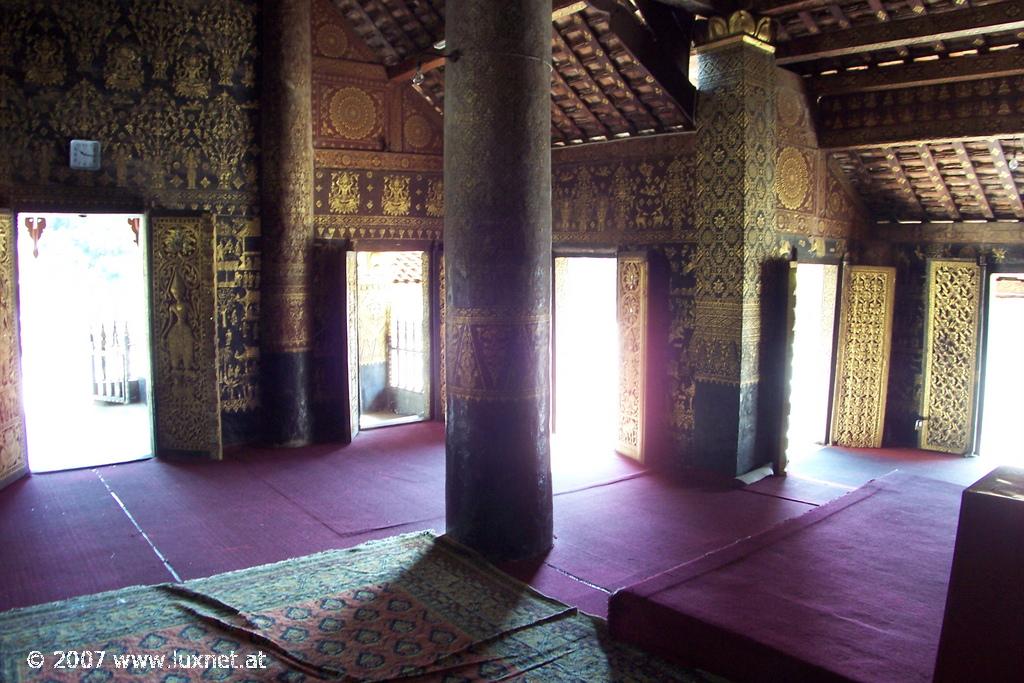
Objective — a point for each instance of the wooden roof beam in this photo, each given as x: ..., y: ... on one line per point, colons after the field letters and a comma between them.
x: 952, y: 70
x: 663, y: 57
x: 972, y: 179
x: 587, y: 85
x: 423, y: 62
x: 892, y: 161
x: 928, y: 28
x: 578, y: 105
x: 1006, y: 178
x: 938, y: 181
x: 774, y: 8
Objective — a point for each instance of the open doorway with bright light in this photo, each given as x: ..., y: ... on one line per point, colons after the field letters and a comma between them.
x: 85, y: 352
x: 393, y: 337
x: 586, y: 357
x: 811, y: 365
x: 1004, y: 369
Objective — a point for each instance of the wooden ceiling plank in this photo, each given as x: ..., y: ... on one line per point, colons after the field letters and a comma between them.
x: 574, y: 97
x: 775, y: 8
x: 808, y: 22
x: 928, y: 28
x: 619, y: 123
x: 423, y: 62
x: 841, y: 19
x: 972, y: 179
x: 891, y: 159
x: 1006, y: 178
x: 866, y: 182
x: 406, y: 45
x: 662, y: 59
x: 364, y: 20
x: 1004, y: 63
x: 423, y: 28
x: 879, y: 9
x: 938, y: 181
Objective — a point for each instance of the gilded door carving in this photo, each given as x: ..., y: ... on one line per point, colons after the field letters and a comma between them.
x: 13, y: 462
x: 632, y: 285
x: 352, y: 335
x: 862, y: 362
x: 186, y: 399
x: 951, y: 356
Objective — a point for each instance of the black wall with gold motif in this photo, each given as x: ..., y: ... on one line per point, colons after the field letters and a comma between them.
x: 169, y: 88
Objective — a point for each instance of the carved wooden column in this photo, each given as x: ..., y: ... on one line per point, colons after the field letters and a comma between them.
x: 498, y: 272
x: 287, y: 217
x: 735, y: 219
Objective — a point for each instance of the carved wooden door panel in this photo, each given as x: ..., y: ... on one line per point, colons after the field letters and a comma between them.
x: 13, y: 461
x: 631, y: 306
x: 862, y: 362
x: 951, y: 355
x: 183, y: 303
x: 352, y: 337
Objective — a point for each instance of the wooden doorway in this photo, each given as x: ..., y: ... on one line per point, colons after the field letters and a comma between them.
x: 84, y: 324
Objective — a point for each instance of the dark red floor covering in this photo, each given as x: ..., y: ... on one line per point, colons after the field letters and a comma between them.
x: 856, y: 466
x: 795, y: 487
x: 614, y: 522
x: 214, y: 517
x: 854, y: 590
x: 614, y: 535
x: 64, y: 534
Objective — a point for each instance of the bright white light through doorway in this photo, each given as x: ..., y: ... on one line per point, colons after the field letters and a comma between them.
x: 83, y: 307
x: 1004, y: 370
x: 813, y: 326
x: 394, y: 332
x: 586, y: 357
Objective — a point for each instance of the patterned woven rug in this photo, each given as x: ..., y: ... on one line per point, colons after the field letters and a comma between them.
x: 412, y: 607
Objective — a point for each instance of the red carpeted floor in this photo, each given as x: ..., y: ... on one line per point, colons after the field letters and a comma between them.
x: 853, y: 590
x: 72, y: 533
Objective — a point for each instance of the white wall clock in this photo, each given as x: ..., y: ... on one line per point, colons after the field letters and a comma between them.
x: 85, y: 155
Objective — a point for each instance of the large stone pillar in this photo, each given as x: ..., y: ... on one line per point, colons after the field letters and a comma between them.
x: 497, y: 253
x: 287, y: 221
x: 735, y: 218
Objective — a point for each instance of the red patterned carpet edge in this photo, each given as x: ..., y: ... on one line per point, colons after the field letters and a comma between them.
x: 413, y: 607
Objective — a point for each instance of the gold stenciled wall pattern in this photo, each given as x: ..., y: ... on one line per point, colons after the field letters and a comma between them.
x: 816, y: 212
x: 638, y: 191
x: 169, y: 89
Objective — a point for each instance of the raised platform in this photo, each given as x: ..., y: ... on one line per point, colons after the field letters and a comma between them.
x: 852, y: 590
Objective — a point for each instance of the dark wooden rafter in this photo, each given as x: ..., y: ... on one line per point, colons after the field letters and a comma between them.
x: 891, y: 160
x: 926, y: 28
x: 589, y: 91
x: 862, y: 178
x: 422, y: 63
x: 423, y: 36
x: 809, y: 23
x: 1005, y: 175
x: 842, y: 21
x: 951, y: 70
x: 367, y: 27
x: 971, y: 176
x: 428, y: 16
x: 623, y: 92
x: 879, y: 9
x: 577, y: 109
x: 937, y: 181
x: 775, y: 8
x: 663, y: 57
x: 917, y: 6
x: 566, y: 127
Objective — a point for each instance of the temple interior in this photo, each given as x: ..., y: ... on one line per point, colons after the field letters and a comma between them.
x: 698, y: 318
